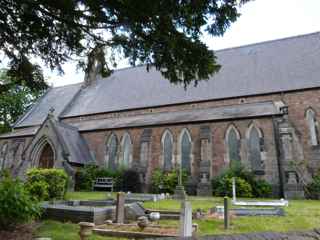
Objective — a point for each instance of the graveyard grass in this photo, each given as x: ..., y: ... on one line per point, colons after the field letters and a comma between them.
x: 300, y: 215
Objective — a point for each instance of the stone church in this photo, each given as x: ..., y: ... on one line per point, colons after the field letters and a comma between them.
x: 261, y: 110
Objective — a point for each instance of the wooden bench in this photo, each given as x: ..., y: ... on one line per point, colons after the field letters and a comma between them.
x: 103, y: 183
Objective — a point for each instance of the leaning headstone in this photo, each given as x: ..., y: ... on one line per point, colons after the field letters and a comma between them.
x: 186, y: 219
x: 120, y: 207
x: 134, y: 210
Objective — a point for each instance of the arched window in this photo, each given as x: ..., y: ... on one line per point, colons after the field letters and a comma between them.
x: 233, y: 145
x: 255, y: 143
x: 185, y: 150
x: 311, y: 119
x: 3, y: 154
x: 167, y: 150
x: 126, y: 151
x: 112, y: 151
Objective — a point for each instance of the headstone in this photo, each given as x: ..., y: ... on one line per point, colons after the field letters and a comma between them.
x: 120, y: 207
x: 186, y: 219
x: 134, y: 210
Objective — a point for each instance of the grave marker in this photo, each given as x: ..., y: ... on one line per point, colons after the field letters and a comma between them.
x: 186, y: 219
x: 120, y: 207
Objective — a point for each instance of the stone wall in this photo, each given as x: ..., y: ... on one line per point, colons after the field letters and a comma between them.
x: 298, y: 102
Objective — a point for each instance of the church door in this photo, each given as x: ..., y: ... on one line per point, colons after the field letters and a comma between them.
x: 46, y: 159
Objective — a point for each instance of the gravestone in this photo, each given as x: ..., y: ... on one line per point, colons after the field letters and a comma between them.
x: 186, y: 219
x: 120, y: 207
x: 134, y: 211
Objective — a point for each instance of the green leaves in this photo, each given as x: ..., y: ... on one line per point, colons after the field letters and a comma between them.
x: 15, y: 98
x: 16, y: 205
x: 164, y: 34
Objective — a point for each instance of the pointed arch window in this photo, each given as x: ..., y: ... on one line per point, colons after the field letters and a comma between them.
x: 312, y: 124
x: 112, y: 150
x: 126, y: 151
x: 233, y: 145
x: 255, y: 147
x: 185, y: 150
x: 167, y: 150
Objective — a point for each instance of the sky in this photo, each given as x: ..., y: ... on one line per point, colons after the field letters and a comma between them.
x: 261, y: 20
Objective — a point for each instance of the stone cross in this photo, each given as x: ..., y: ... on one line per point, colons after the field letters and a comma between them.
x: 120, y: 207
x: 186, y: 219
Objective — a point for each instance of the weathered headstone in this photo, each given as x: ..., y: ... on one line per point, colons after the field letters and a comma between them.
x: 186, y: 219
x: 120, y: 207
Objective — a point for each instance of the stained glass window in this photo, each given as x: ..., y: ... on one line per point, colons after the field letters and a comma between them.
x: 186, y: 152
x: 167, y: 150
x: 233, y: 146
x: 254, y: 145
x: 112, y: 150
x: 126, y: 150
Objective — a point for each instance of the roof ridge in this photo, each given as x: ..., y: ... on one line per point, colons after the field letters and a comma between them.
x: 268, y: 41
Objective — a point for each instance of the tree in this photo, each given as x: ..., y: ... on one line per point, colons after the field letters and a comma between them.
x: 14, y: 101
x: 161, y: 33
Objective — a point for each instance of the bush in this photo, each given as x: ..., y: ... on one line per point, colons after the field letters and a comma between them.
x: 16, y: 204
x: 223, y: 187
x: 312, y: 190
x: 166, y: 182
x: 129, y: 181
x: 47, y: 184
x: 246, y: 184
x: 88, y: 174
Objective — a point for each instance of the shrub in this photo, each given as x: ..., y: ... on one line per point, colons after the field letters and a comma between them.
x: 88, y: 174
x: 223, y: 187
x: 129, y: 181
x: 312, y: 190
x: 16, y: 204
x: 246, y: 183
x: 166, y: 182
x: 38, y: 190
x: 261, y: 188
x: 54, y: 180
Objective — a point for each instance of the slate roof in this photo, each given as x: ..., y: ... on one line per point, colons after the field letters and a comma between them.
x: 76, y: 146
x: 237, y: 111
x: 268, y: 67
x: 57, y: 98
x: 24, y: 132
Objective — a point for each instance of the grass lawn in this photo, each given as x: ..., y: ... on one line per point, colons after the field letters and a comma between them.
x: 300, y: 215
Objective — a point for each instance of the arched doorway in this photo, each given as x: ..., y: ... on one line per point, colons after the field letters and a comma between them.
x: 46, y: 159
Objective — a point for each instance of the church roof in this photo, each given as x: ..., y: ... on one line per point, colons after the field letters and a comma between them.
x: 236, y: 111
x: 57, y: 98
x: 274, y: 66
